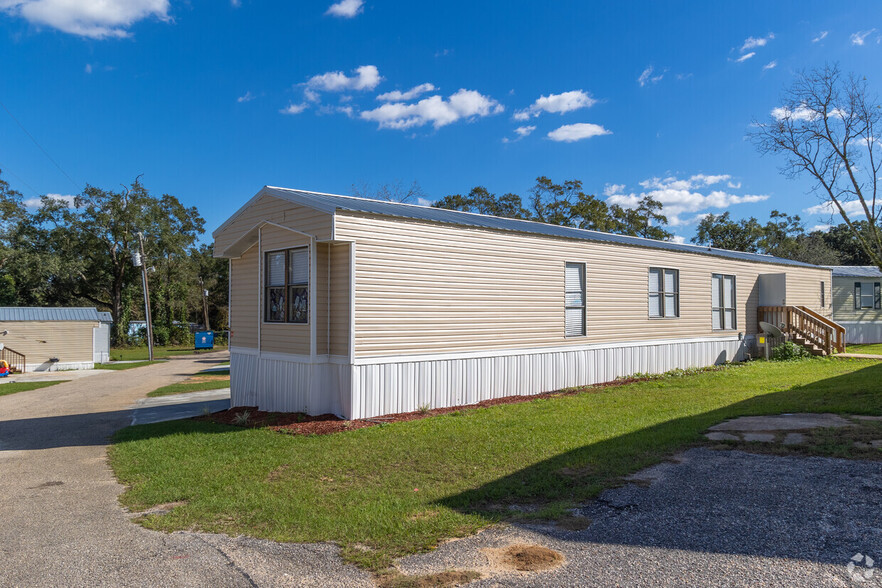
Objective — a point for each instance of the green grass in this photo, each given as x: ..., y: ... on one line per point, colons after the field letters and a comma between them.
x: 389, y: 490
x: 13, y: 387
x: 185, y: 387
x: 872, y: 348
x: 123, y: 366
x: 159, y: 352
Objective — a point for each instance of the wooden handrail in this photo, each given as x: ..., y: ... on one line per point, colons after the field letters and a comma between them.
x: 807, y: 324
x: 17, y: 361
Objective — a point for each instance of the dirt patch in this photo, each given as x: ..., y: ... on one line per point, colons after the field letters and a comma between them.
x: 161, y: 509
x: 526, y: 558
x: 423, y: 515
x: 278, y: 473
x: 198, y: 379
x: 569, y: 472
x: 439, y: 580
x: 573, y: 523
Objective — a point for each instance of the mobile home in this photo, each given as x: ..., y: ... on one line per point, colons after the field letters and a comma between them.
x: 857, y: 304
x: 361, y: 307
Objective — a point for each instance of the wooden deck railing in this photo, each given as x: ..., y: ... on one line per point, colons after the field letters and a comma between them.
x: 17, y: 361
x: 804, y: 323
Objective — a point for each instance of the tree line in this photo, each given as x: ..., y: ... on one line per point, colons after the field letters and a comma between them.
x: 79, y: 253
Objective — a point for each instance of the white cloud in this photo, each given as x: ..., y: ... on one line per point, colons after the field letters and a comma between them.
x: 235, y: 3
x: 611, y: 189
x: 37, y: 202
x: 684, y: 197
x: 397, y: 96
x: 525, y: 130
x: 433, y: 110
x: 858, y: 37
x: 577, y: 132
x: 852, y: 207
x: 424, y: 201
x: 801, y: 113
x: 753, y: 42
x: 96, y: 19
x: 294, y: 108
x: 678, y: 239
x: 647, y: 78
x: 557, y: 103
x: 820, y: 37
x: 88, y: 68
x: 822, y: 227
x: 247, y: 97
x: 367, y: 77
x: 346, y: 8
x: 745, y: 57
x: 770, y: 65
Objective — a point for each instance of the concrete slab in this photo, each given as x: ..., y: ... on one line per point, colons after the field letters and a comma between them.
x: 52, y: 376
x: 760, y: 437
x: 783, y: 422
x: 720, y: 436
x: 863, y: 417
x: 794, y: 439
x: 179, y: 406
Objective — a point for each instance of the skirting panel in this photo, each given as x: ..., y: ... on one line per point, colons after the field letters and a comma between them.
x: 385, y: 388
x: 59, y: 367
x: 866, y: 332
x: 281, y: 384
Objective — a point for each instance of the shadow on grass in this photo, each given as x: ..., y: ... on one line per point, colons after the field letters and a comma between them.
x: 576, y: 477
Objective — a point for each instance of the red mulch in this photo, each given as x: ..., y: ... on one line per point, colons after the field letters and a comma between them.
x: 298, y: 423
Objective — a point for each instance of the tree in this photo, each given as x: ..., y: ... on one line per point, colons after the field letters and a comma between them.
x: 840, y: 238
x: 644, y: 221
x: 481, y: 201
x: 720, y: 231
x: 827, y: 130
x: 392, y: 191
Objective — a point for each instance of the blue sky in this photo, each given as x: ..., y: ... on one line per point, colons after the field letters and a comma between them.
x: 210, y: 100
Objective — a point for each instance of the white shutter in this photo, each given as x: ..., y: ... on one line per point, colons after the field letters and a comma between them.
x: 298, y: 266
x: 275, y: 271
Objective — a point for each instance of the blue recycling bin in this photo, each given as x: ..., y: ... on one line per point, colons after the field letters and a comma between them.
x: 204, y: 340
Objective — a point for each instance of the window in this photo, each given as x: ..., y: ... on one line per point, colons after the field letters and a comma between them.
x: 664, y: 293
x: 723, y: 302
x: 574, y: 307
x: 867, y: 295
x: 287, y: 286
x: 823, y: 296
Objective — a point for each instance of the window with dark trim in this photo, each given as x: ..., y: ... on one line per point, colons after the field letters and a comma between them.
x: 286, y: 286
x: 867, y: 295
x: 574, y: 304
x: 664, y: 293
x: 723, y: 303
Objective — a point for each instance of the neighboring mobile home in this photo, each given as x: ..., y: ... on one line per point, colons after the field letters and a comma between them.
x: 54, y: 338
x: 857, y: 304
x: 361, y: 307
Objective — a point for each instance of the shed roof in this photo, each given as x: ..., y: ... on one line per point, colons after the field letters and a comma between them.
x: 105, y: 317
x: 31, y: 313
x: 855, y: 271
x: 331, y: 203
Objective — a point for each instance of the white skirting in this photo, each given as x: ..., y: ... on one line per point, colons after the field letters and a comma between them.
x: 59, y: 367
x: 377, y: 386
x: 863, y: 332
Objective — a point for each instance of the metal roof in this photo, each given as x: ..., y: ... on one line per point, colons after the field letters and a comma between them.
x: 855, y: 271
x: 105, y: 317
x: 331, y: 203
x: 25, y: 313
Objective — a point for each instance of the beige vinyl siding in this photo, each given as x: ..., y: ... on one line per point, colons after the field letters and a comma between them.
x: 339, y: 311
x: 69, y: 341
x: 425, y: 287
x: 282, y: 212
x: 843, y: 301
x: 282, y: 337
x: 323, y: 296
x: 804, y: 289
x: 244, y: 299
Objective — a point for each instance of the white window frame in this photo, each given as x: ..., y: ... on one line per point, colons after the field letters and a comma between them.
x: 662, y: 294
x: 288, y: 287
x: 582, y: 292
x: 722, y: 308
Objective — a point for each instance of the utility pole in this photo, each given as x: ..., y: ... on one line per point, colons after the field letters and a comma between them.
x: 204, y: 304
x: 143, y: 263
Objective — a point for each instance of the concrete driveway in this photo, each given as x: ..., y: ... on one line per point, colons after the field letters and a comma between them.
x: 60, y: 522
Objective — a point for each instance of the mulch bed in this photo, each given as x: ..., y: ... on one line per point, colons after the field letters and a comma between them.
x: 298, y: 423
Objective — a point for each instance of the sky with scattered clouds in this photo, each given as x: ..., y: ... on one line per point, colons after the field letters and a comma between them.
x: 210, y: 100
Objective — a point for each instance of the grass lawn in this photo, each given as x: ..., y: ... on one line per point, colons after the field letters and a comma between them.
x: 394, y: 489
x: 198, y: 383
x: 872, y: 348
x: 123, y: 366
x: 13, y: 387
x: 159, y: 352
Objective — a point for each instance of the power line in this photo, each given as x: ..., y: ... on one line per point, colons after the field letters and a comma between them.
x: 20, y: 179
x: 46, y: 153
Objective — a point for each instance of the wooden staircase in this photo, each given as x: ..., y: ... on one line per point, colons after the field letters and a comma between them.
x: 805, y: 327
x: 17, y: 361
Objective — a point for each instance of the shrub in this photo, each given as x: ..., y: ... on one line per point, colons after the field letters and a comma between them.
x: 788, y: 351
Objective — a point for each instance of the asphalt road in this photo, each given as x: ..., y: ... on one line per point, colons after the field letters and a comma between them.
x: 60, y: 521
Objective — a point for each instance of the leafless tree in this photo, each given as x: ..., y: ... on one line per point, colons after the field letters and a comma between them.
x: 826, y: 129
x: 395, y: 191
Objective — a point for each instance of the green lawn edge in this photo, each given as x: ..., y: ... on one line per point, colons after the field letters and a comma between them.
x: 159, y: 352
x: 123, y: 366
x: 392, y: 490
x: 185, y: 388
x: 13, y: 387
